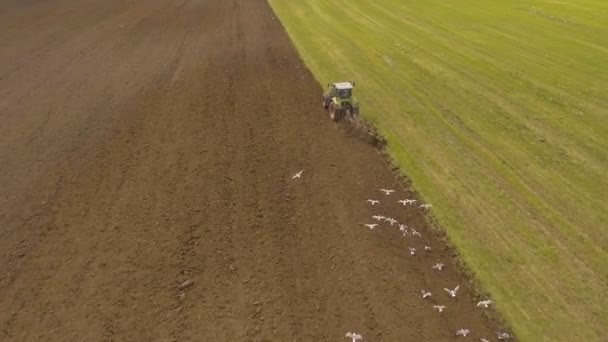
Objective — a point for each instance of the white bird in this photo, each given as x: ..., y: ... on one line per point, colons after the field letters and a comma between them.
x: 373, y: 202
x: 415, y: 233
x: 427, y: 248
x: 503, y: 336
x: 484, y: 340
x: 425, y: 206
x: 463, y: 332
x: 387, y: 191
x: 407, y: 201
x: 297, y: 175
x: 390, y: 220
x: 412, y: 250
x: 378, y: 217
x: 439, y: 308
x: 403, y: 228
x: 438, y: 266
x: 485, y: 303
x: 425, y: 294
x: 353, y: 336
x: 371, y: 226
x: 452, y: 292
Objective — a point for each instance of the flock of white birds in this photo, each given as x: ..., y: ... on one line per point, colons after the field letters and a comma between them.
x: 410, y: 231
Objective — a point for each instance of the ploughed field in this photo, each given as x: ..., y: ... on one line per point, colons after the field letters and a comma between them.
x: 148, y: 150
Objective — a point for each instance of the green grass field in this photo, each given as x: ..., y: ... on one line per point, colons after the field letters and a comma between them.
x: 498, y: 112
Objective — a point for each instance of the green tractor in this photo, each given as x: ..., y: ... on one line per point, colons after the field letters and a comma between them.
x: 340, y: 102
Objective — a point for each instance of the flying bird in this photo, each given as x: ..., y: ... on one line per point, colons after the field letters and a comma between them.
x: 412, y: 250
x: 387, y: 191
x: 463, y: 332
x: 407, y: 201
x: 484, y: 340
x: 427, y: 248
x: 353, y: 336
x: 371, y: 226
x: 390, y: 220
x: 297, y: 175
x: 452, y: 292
x: 425, y: 206
x: 438, y: 266
x: 403, y: 228
x: 373, y: 202
x: 503, y: 336
x: 439, y: 308
x: 485, y: 303
x: 415, y: 233
x: 425, y: 294
x: 378, y: 217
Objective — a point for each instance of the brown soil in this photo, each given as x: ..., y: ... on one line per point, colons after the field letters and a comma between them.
x: 146, y: 152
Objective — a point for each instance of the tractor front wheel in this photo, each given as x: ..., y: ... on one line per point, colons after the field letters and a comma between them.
x: 334, y: 114
x: 325, y: 102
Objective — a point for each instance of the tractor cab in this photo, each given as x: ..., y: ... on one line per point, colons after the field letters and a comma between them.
x: 343, y: 90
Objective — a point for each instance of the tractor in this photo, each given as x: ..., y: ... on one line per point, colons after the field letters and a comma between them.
x: 340, y: 102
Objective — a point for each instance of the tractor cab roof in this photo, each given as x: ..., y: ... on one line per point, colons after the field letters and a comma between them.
x: 343, y: 85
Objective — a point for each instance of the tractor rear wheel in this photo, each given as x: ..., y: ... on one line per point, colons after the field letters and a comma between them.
x: 334, y: 114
